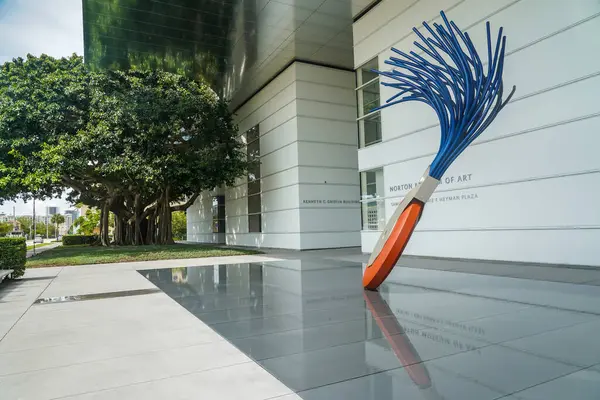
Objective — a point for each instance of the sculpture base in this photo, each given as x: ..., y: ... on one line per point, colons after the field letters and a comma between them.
x: 384, y: 262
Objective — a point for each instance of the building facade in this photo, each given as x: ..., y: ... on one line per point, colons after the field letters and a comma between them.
x: 304, y: 193
x: 298, y: 73
x: 511, y: 196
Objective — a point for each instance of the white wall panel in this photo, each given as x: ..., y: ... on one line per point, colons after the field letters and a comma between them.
x: 329, y: 240
x: 235, y: 207
x: 236, y: 192
x: 206, y: 237
x: 281, y: 199
x: 328, y: 220
x: 279, y: 179
x: 324, y: 92
x: 328, y: 131
x: 340, y: 112
x: 199, y: 219
x: 285, y: 157
x: 271, y: 240
x: 329, y: 76
x: 573, y: 246
x: 368, y: 239
x: 327, y: 155
x: 525, y: 21
x: 315, y: 174
x: 284, y: 113
x: 270, y: 108
x: 383, y: 14
x: 285, y: 221
x: 282, y: 135
x: 387, y: 32
x: 236, y: 224
x: 268, y: 92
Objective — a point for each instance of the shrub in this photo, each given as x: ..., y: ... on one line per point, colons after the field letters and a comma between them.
x: 72, y: 240
x: 13, y: 253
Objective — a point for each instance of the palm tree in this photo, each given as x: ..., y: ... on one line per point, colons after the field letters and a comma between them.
x: 58, y: 220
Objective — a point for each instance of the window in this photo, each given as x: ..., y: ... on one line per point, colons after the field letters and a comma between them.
x: 252, y: 138
x: 218, y: 213
x: 367, y: 92
x: 372, y: 204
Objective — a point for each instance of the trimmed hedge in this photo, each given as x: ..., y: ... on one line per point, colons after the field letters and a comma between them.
x: 13, y: 253
x: 73, y: 240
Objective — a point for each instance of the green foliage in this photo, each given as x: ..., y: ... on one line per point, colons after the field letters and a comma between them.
x: 74, y: 240
x: 13, y: 253
x: 5, y: 228
x: 179, y: 223
x: 137, y: 144
x: 25, y: 224
x: 88, y: 223
x: 40, y: 227
x: 57, y: 219
x: 42, y: 100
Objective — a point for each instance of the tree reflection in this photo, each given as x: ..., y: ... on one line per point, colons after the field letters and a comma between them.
x: 188, y: 37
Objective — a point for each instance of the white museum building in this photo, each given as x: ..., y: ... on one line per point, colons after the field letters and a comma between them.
x: 331, y: 170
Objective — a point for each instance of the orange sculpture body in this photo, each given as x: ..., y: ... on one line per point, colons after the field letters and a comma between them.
x: 393, y: 247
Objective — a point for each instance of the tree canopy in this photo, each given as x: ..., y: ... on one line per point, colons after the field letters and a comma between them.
x: 138, y: 144
x: 5, y: 228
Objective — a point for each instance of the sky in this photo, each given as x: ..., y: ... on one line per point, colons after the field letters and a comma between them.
x: 53, y: 27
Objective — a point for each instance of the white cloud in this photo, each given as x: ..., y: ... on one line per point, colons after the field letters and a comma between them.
x: 53, y: 27
x: 22, y: 208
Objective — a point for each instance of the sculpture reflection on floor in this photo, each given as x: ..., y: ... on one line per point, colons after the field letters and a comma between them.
x: 401, y: 345
x: 466, y: 99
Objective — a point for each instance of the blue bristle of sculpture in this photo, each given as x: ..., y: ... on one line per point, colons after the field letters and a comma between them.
x: 451, y: 78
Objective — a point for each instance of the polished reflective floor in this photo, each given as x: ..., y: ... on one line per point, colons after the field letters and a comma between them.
x: 427, y: 334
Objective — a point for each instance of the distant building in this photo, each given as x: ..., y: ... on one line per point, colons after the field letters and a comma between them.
x: 74, y: 213
x: 70, y: 217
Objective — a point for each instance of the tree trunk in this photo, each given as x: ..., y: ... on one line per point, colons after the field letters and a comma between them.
x: 119, y: 233
x: 137, y: 236
x: 151, y: 229
x: 129, y: 232
x: 104, y: 212
x: 143, y: 227
x: 165, y: 231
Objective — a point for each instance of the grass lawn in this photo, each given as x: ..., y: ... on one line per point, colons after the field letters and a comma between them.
x: 38, y: 245
x: 80, y: 255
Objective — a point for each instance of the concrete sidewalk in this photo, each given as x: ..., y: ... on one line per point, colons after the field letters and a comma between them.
x: 144, y: 346
x: 42, y: 249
